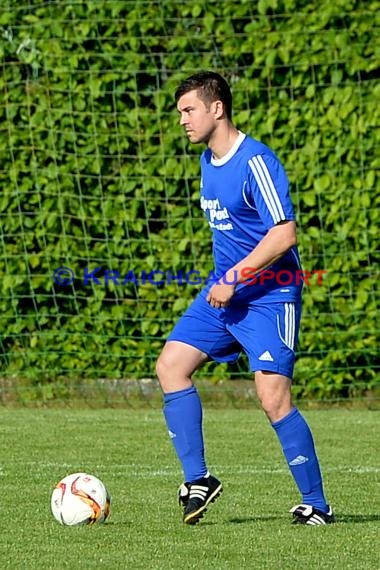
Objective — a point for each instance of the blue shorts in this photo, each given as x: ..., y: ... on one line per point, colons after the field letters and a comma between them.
x: 267, y: 333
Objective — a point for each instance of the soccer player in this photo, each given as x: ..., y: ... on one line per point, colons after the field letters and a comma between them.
x: 245, y: 198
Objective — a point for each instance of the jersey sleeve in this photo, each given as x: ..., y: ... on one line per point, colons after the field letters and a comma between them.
x: 268, y: 190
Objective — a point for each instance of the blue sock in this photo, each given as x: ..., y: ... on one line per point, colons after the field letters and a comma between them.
x: 183, y: 414
x: 298, y: 447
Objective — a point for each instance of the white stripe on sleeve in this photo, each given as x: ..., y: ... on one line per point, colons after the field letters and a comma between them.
x: 267, y: 188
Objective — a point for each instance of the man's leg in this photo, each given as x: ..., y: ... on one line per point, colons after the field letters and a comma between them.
x: 274, y: 392
x: 183, y: 415
x: 200, y: 334
x: 182, y: 406
x: 268, y: 335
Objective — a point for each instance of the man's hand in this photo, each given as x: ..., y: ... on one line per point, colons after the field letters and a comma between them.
x: 220, y: 295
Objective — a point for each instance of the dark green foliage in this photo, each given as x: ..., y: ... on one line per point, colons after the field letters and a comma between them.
x: 95, y: 172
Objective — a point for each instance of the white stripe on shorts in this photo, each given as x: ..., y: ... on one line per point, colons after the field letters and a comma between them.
x: 290, y: 325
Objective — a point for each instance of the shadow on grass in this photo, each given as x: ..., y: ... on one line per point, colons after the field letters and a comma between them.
x: 118, y: 523
x: 243, y: 520
x: 341, y: 518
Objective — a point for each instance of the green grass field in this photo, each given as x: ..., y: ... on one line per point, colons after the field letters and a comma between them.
x: 248, y: 527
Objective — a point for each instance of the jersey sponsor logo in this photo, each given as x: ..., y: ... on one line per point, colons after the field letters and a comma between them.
x: 216, y: 213
x: 221, y: 227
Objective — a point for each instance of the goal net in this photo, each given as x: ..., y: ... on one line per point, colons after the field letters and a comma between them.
x: 100, y: 221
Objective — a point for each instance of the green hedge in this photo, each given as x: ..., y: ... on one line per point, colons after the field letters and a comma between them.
x: 95, y: 171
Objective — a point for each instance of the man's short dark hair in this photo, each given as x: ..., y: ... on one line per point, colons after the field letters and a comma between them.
x: 210, y: 87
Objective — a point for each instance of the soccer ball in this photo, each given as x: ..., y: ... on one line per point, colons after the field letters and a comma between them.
x: 80, y: 498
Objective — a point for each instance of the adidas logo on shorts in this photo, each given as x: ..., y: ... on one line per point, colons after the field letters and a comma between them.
x: 266, y: 356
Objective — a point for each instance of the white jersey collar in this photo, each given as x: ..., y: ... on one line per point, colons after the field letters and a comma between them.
x: 230, y: 153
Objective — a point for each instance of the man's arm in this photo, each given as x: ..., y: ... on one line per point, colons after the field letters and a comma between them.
x: 273, y: 246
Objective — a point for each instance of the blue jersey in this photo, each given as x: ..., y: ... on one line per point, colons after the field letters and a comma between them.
x: 243, y: 195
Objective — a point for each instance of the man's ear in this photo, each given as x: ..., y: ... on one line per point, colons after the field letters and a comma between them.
x: 218, y: 109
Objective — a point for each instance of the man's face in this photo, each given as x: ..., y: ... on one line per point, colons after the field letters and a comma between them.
x: 196, y: 119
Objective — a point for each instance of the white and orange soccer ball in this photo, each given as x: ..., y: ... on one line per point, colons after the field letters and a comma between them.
x: 80, y: 498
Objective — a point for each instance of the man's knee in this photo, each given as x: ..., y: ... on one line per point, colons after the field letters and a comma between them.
x: 164, y: 365
x: 275, y: 407
x: 274, y: 393
x: 176, y: 365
